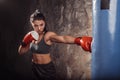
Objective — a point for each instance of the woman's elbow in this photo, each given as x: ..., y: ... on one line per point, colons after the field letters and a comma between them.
x: 21, y: 51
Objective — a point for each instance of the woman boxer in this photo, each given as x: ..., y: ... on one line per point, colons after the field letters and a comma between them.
x: 39, y: 42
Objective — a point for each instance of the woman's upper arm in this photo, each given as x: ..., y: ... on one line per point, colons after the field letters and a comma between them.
x: 61, y: 39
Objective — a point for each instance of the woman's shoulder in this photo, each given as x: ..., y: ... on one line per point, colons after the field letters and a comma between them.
x: 50, y: 33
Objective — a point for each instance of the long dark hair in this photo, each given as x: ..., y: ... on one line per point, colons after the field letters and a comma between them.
x: 38, y: 16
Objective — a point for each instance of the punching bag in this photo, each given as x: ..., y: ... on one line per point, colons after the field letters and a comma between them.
x: 106, y: 40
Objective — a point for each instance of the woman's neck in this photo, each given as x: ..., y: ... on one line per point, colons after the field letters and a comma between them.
x: 42, y: 33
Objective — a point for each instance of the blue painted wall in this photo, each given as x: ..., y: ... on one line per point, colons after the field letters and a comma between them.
x: 106, y: 43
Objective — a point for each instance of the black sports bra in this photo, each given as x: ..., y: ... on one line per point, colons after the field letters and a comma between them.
x: 41, y: 47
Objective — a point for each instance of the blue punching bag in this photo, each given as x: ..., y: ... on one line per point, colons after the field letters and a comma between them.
x: 106, y: 40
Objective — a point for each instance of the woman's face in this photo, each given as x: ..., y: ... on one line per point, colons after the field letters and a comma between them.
x: 38, y: 25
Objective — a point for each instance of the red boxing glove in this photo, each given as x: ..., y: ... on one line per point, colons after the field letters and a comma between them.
x: 84, y: 42
x: 29, y: 37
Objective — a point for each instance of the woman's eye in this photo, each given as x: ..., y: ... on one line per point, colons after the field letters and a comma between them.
x: 41, y: 24
x: 35, y: 25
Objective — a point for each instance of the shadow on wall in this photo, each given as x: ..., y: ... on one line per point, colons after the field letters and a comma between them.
x: 13, y: 23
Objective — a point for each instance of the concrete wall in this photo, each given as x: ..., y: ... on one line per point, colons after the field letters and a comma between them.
x: 69, y: 17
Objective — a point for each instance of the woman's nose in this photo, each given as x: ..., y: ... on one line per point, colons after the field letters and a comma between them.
x: 39, y: 27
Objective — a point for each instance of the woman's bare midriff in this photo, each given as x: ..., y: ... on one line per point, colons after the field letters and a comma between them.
x: 41, y: 58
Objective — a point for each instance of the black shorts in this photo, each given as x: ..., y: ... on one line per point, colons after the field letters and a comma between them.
x: 44, y: 71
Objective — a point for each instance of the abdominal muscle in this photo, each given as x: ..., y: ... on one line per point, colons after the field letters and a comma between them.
x: 41, y: 58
